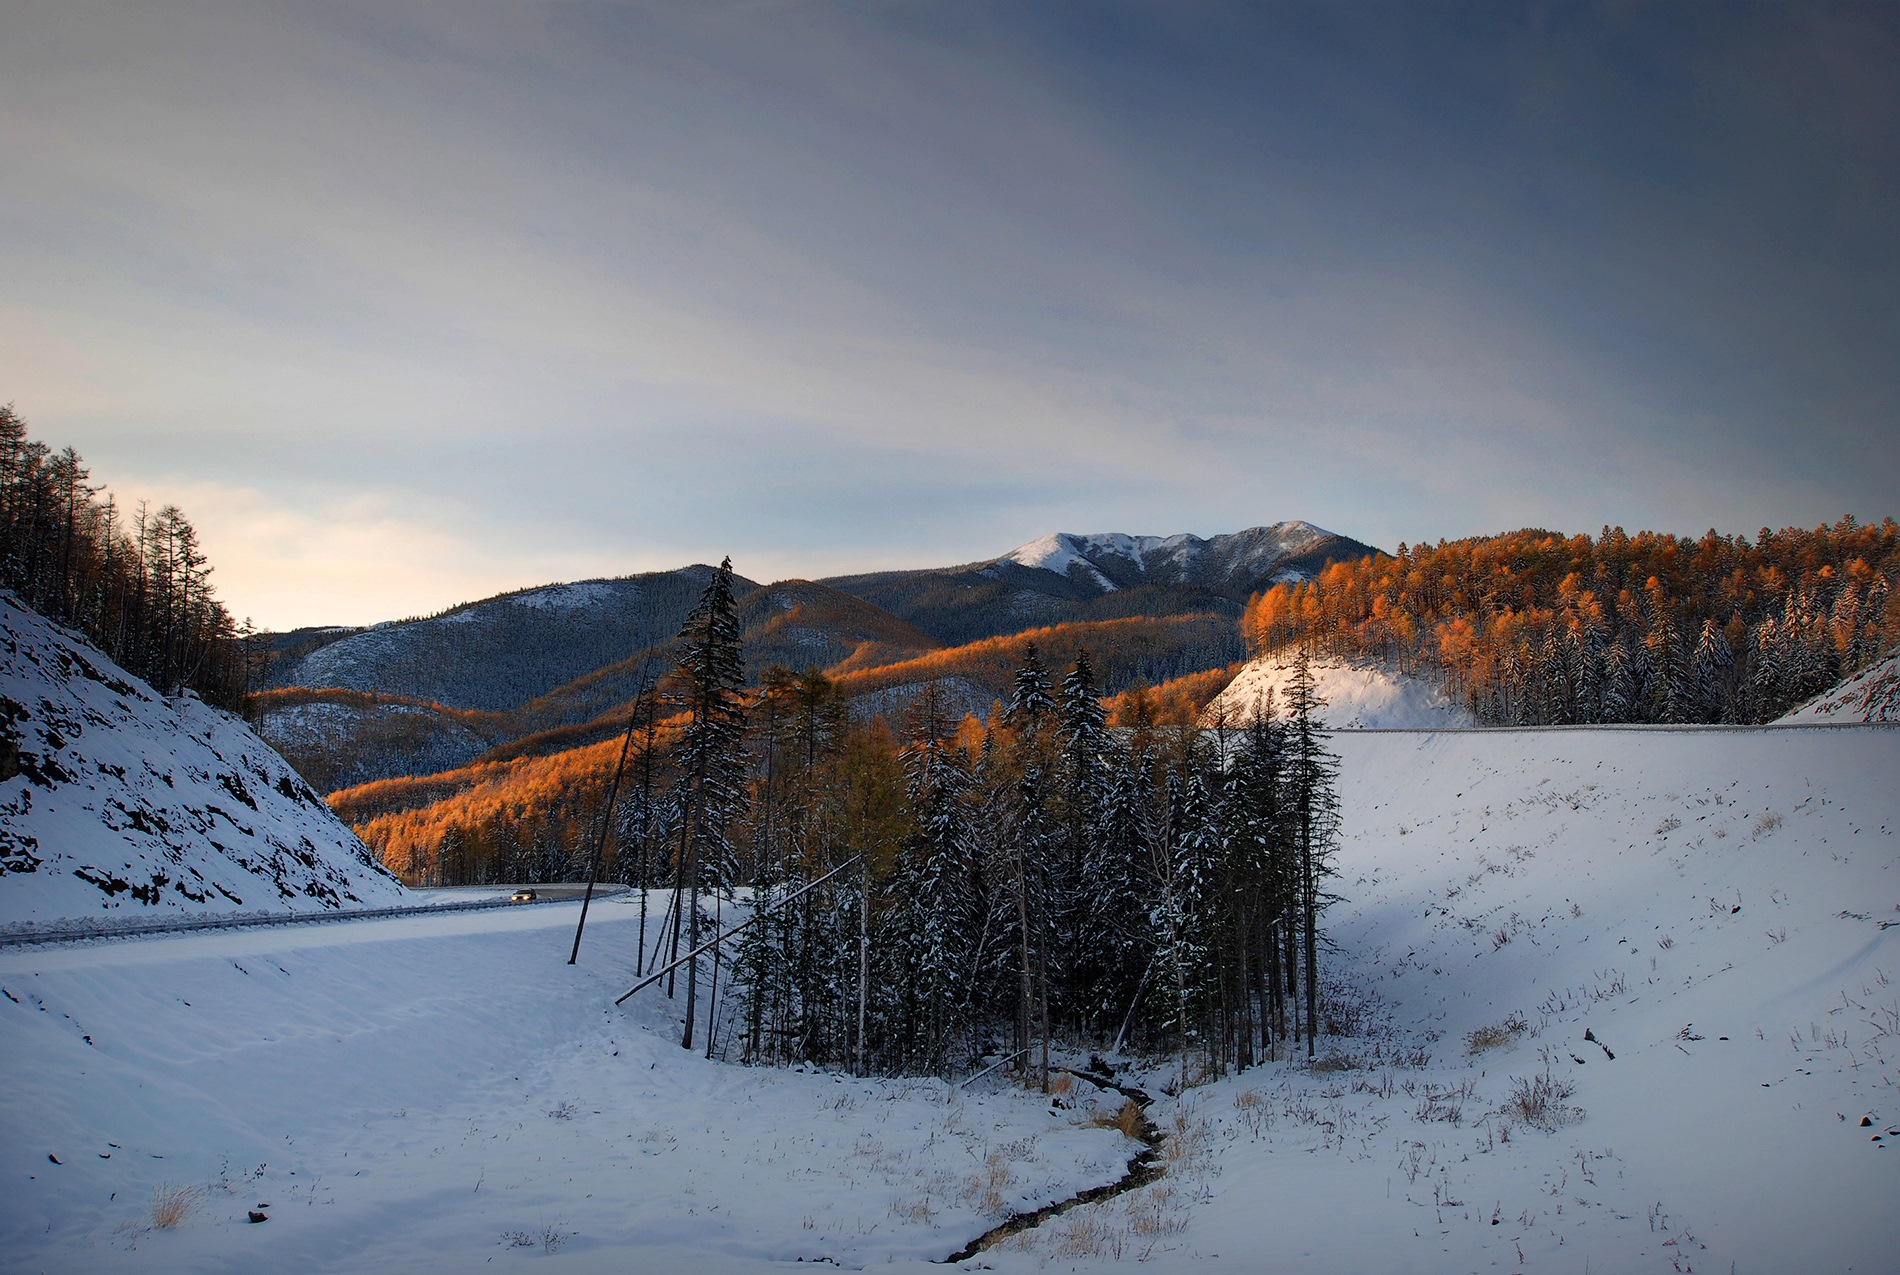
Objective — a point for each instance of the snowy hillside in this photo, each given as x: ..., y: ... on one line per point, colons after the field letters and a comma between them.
x: 1682, y: 947
x: 115, y: 800
x: 1358, y: 695
x: 338, y: 739
x: 504, y: 651
x: 1871, y: 695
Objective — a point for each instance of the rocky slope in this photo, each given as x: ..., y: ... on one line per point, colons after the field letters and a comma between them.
x: 114, y: 799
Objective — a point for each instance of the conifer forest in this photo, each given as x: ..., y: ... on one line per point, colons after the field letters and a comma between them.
x: 926, y: 895
x: 136, y: 583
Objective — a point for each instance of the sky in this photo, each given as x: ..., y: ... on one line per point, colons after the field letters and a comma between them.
x: 408, y: 304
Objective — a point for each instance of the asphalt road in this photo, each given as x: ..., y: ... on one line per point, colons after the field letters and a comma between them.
x: 68, y: 931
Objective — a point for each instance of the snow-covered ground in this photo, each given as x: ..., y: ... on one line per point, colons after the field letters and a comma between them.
x: 122, y: 801
x: 1693, y: 931
x: 428, y: 1094
x: 1871, y: 695
x: 1357, y: 693
x: 1719, y: 909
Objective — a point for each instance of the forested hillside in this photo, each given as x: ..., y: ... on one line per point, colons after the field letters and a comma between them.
x: 801, y: 625
x: 341, y: 739
x: 1534, y: 628
x: 553, y: 667
x: 504, y: 651
x: 1143, y: 649
x: 135, y: 582
x: 338, y: 738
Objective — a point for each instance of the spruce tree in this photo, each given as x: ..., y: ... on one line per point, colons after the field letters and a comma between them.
x: 1313, y: 805
x: 708, y: 791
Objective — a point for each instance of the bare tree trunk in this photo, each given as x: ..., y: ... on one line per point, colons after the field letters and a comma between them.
x: 1024, y: 1011
x: 712, y: 991
x: 692, y: 938
x: 1312, y: 932
x: 864, y: 963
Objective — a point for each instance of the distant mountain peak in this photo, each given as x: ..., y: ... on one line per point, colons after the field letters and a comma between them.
x: 1099, y: 558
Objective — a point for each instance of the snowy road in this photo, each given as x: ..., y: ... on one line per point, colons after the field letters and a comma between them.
x: 425, y: 1093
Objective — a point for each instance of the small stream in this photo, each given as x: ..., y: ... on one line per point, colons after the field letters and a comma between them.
x: 1143, y: 1168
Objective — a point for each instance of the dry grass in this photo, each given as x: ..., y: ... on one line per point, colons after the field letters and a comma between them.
x: 1255, y: 1112
x: 1126, y: 1118
x: 1765, y: 825
x: 172, y: 1204
x: 1493, y: 1035
x: 1542, y: 1101
x: 1188, y: 1141
x: 988, y: 1186
x: 1087, y: 1232
x: 1155, y: 1211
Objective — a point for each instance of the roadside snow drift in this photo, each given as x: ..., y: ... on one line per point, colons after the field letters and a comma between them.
x: 114, y: 799
x: 1358, y: 694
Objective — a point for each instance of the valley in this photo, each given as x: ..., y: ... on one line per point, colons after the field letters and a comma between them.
x: 1690, y: 932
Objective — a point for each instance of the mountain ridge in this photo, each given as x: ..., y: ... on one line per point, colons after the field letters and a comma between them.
x: 1101, y: 576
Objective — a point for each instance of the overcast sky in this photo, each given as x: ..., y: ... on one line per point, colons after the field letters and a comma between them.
x: 408, y: 304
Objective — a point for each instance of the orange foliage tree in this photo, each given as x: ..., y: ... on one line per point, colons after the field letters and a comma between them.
x: 1534, y: 627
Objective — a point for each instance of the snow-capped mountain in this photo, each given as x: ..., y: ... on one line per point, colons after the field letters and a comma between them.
x: 1245, y: 559
x: 114, y: 799
x: 1109, y: 575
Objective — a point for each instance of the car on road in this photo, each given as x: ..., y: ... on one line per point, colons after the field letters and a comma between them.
x: 522, y: 896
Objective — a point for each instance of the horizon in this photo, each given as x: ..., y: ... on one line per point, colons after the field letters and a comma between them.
x: 768, y: 581
x: 411, y: 305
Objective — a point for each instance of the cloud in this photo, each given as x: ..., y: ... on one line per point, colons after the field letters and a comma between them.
x: 605, y: 288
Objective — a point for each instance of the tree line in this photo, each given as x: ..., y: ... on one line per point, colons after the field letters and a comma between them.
x: 136, y: 584
x: 1532, y: 628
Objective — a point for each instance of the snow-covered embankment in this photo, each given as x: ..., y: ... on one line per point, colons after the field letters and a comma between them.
x: 115, y: 800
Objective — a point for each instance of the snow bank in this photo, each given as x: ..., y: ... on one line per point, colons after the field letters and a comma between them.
x: 1871, y: 695
x: 1357, y: 694
x: 123, y: 801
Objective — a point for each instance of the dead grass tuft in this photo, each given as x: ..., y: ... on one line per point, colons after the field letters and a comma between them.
x: 1542, y: 1101
x: 172, y: 1204
x: 1126, y: 1118
x: 1493, y: 1035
